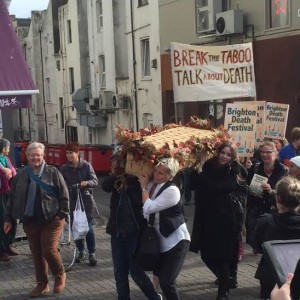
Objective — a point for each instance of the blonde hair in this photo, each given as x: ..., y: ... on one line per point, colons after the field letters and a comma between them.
x: 171, y: 164
x: 269, y: 144
x: 288, y: 189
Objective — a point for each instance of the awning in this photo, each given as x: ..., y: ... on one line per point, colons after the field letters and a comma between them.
x: 16, y: 84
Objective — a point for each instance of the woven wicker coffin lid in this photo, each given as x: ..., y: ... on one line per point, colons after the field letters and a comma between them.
x: 137, y: 167
x: 178, y: 134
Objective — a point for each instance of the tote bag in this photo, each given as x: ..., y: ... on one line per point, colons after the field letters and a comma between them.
x: 80, y: 226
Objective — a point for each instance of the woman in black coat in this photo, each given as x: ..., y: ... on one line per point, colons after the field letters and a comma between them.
x: 216, y: 229
x: 282, y: 225
x: 259, y: 204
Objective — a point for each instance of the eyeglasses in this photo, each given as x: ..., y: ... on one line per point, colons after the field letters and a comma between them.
x: 266, y: 152
x: 35, y: 155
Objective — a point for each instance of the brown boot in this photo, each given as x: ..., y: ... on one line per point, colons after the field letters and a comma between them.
x: 59, y: 283
x: 12, y: 251
x: 40, y: 289
x: 4, y: 257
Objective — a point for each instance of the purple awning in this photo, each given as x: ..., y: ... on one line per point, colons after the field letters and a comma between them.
x: 16, y: 84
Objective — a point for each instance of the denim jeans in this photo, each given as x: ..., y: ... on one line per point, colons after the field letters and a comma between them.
x: 90, y: 239
x: 123, y: 247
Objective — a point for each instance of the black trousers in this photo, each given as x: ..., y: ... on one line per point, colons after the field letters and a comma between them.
x: 169, y: 266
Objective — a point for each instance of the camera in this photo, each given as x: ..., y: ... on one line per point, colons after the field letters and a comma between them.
x: 284, y: 256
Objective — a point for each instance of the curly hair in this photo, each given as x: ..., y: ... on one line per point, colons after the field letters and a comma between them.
x: 288, y: 189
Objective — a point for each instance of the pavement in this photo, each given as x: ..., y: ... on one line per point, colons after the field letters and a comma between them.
x: 195, y: 281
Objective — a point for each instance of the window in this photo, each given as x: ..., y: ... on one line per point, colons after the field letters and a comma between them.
x: 61, y: 112
x: 278, y: 13
x: 71, y: 80
x: 72, y: 134
x: 201, y: 3
x: 99, y: 12
x: 47, y: 88
x: 58, y: 65
x: 143, y: 2
x: 145, y: 48
x: 102, y: 72
x: 69, y: 31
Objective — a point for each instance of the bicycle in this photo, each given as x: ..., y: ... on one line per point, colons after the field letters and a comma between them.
x: 67, y: 247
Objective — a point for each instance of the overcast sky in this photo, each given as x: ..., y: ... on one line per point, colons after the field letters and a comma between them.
x: 23, y: 8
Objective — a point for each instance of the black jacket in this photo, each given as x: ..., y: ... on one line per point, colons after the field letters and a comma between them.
x: 256, y: 206
x: 277, y: 226
x: 215, y: 231
x: 130, y: 197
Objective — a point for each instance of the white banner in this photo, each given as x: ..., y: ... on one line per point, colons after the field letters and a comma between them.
x: 202, y: 73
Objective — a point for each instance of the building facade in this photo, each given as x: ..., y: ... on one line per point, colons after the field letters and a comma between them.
x: 101, y: 63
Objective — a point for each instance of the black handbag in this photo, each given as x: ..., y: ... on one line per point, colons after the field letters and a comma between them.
x: 238, y: 198
x: 147, y: 251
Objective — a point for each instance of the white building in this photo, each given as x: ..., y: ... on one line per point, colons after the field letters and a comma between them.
x: 96, y: 64
x: 125, y: 65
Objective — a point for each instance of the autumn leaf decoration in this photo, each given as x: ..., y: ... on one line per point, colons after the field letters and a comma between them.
x: 187, y: 152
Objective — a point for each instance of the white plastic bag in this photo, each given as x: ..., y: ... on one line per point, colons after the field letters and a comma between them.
x: 80, y: 226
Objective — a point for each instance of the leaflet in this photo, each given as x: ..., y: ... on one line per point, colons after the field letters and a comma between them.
x: 256, y: 182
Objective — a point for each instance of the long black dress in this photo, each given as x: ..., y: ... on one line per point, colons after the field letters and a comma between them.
x: 215, y: 229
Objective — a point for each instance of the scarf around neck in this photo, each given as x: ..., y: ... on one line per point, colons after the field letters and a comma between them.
x: 31, y: 196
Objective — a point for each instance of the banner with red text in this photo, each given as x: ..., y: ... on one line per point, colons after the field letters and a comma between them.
x: 203, y: 73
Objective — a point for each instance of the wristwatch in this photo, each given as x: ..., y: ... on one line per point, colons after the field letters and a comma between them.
x: 145, y: 189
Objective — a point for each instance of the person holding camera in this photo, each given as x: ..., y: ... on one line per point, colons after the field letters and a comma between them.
x: 281, y: 225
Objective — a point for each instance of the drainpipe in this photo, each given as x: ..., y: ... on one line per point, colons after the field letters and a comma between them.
x: 43, y: 88
x: 134, y: 66
x: 28, y: 109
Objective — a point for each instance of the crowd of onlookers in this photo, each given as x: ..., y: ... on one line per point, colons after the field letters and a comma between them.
x: 226, y: 209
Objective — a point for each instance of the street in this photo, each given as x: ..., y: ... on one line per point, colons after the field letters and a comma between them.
x: 84, y: 282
